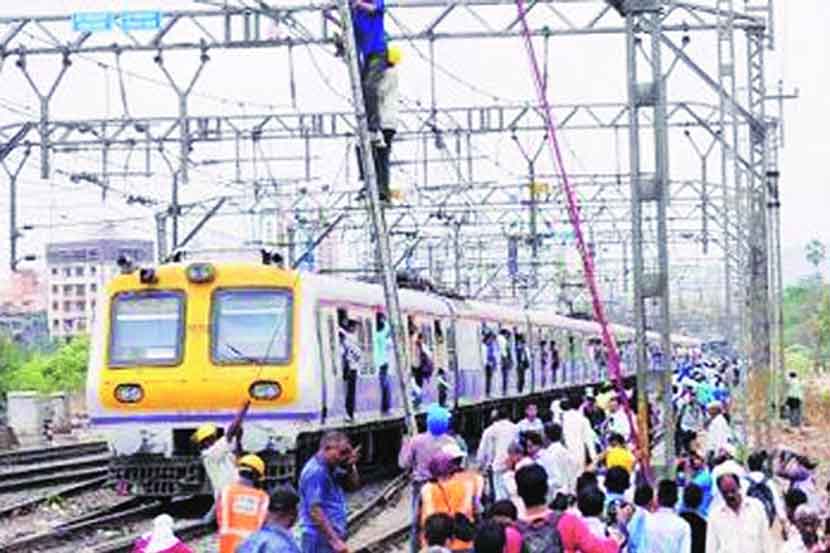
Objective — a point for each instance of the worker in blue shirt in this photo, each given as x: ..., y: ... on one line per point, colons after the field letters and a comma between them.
x: 275, y: 535
x: 371, y: 45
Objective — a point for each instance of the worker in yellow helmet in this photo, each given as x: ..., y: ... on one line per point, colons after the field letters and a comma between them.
x: 243, y: 505
x: 219, y: 454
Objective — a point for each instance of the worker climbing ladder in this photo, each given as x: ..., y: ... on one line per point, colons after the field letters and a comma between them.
x: 390, y: 288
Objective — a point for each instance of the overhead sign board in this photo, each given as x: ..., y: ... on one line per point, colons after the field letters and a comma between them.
x: 95, y: 22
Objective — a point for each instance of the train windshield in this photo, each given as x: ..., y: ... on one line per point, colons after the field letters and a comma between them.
x: 251, y: 326
x: 147, y: 328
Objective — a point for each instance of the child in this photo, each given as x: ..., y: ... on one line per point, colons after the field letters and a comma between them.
x: 438, y: 533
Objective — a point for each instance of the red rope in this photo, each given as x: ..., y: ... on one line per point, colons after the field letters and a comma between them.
x: 576, y: 223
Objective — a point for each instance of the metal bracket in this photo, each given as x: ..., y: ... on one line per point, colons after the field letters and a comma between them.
x: 653, y: 284
x: 647, y: 94
x: 650, y: 190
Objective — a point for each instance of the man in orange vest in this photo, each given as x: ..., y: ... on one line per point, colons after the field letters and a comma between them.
x: 453, y: 491
x: 243, y: 507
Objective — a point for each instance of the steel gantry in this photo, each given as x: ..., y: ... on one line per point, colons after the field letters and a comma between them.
x: 466, y: 195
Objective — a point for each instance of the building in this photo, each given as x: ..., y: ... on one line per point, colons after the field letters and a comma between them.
x: 77, y: 272
x: 23, y: 327
x: 24, y: 292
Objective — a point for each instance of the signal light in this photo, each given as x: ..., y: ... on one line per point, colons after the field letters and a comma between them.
x: 266, y: 390
x: 148, y: 276
x: 129, y: 393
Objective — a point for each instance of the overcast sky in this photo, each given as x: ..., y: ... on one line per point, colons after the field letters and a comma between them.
x: 581, y: 69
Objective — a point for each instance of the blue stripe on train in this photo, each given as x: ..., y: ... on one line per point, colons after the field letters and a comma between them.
x: 206, y: 417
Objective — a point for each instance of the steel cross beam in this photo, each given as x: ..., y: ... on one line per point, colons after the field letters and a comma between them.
x: 269, y: 25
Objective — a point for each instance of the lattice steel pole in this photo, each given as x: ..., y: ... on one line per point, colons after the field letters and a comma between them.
x: 390, y: 288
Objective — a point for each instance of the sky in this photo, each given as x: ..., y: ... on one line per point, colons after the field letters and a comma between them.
x: 581, y: 69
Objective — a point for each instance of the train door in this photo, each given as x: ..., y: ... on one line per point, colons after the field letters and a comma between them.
x: 332, y: 383
x: 470, y: 355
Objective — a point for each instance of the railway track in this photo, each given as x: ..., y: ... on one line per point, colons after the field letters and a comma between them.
x: 32, y: 456
x: 63, y: 492
x: 389, y: 541
x: 58, y: 472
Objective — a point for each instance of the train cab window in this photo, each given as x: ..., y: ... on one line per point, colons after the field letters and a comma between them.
x: 147, y: 328
x: 251, y: 325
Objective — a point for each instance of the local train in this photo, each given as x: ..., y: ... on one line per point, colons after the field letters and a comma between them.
x: 181, y: 344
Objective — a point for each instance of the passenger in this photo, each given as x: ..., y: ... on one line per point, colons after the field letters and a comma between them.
x: 593, y: 413
x: 505, y: 359
x: 690, y: 417
x: 795, y: 399
x: 531, y: 422
x: 380, y: 356
x: 591, y: 503
x: 505, y: 513
x: 554, y: 361
x: 544, y: 530
x: 618, y: 421
x: 544, y: 361
x: 738, y: 524
x: 438, y: 533
x: 491, y: 537
x: 515, y: 459
x: 491, y: 360
x: 243, y: 506
x: 443, y: 384
x: 275, y: 535
x: 492, y: 450
x: 369, y: 31
x: 161, y: 539
x: 351, y: 357
x: 799, y: 470
x: 416, y: 454
x: 643, y: 507
x: 617, y: 482
x: 692, y: 500
x: 666, y: 531
x: 522, y: 363
x: 697, y: 473
x: 454, y: 492
x: 578, y: 434
x: 718, y: 431
x: 558, y: 462
x: 219, y: 454
x: 804, y: 537
x: 618, y: 455
x: 761, y: 486
x: 323, y: 482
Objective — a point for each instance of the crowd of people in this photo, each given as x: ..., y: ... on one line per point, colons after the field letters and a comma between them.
x: 571, y: 481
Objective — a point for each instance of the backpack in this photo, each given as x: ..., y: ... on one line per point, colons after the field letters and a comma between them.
x: 541, y: 535
x: 762, y: 492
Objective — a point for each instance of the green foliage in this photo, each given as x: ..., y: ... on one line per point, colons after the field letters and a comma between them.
x: 61, y: 370
x: 806, y: 307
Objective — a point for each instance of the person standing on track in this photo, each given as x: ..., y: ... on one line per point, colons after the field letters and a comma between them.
x: 161, y: 539
x: 243, y: 506
x: 275, y: 535
x: 531, y: 422
x: 795, y: 399
x: 416, y: 454
x: 577, y: 432
x: 492, y: 451
x: 323, y: 482
x: 219, y: 454
x: 738, y: 524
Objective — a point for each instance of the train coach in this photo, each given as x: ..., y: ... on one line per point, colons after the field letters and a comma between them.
x: 182, y: 344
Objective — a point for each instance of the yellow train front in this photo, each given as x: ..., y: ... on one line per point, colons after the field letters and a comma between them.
x: 184, y: 344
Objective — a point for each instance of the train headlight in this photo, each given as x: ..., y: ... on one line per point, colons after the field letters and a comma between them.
x: 129, y: 393
x: 200, y: 272
x: 265, y: 390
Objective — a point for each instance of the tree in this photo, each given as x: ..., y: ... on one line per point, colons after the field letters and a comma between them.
x: 822, y: 328
x: 62, y: 370
x: 816, y: 253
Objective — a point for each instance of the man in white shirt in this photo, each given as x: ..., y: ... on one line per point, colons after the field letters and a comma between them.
x: 718, y: 431
x: 492, y: 452
x: 666, y: 532
x: 578, y: 434
x: 531, y: 422
x: 737, y: 524
x: 558, y: 462
x: 617, y: 420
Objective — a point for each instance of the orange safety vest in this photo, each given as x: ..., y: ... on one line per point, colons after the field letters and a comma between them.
x: 460, y: 494
x: 241, y: 512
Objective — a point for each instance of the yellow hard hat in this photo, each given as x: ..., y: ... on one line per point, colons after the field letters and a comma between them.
x: 394, y: 55
x: 205, y: 431
x: 253, y: 462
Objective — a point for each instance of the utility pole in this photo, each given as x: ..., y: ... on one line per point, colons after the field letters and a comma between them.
x: 390, y: 288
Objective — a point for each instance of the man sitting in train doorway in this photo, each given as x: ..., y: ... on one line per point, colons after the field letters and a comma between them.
x: 381, y: 344
x: 351, y: 358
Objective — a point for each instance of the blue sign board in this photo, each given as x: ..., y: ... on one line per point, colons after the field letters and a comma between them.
x: 94, y: 22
